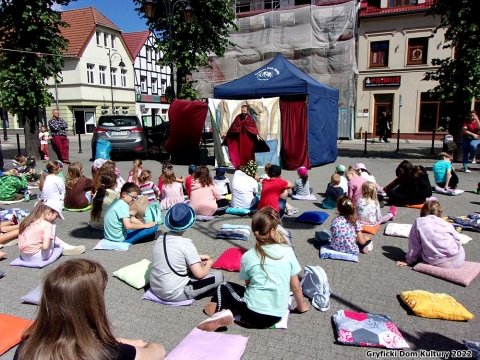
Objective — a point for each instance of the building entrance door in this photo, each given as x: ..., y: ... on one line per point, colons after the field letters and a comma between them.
x: 383, y: 103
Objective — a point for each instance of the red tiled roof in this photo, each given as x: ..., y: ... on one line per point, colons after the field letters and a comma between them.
x: 83, y: 23
x: 134, y: 41
x: 366, y: 9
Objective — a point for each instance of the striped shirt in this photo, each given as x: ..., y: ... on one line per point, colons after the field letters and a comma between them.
x: 149, y: 189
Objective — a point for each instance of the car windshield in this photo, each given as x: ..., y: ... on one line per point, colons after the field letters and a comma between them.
x: 112, y: 121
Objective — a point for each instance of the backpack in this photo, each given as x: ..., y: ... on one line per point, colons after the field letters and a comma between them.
x: 315, y: 287
x: 153, y: 213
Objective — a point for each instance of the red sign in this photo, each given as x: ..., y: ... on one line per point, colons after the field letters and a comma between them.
x: 379, y: 81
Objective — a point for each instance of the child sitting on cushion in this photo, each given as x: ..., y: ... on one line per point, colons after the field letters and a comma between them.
x: 221, y: 181
x: 78, y: 187
x: 147, y: 187
x: 347, y: 231
x: 355, y: 182
x: 434, y: 240
x: 188, y: 181
x: 275, y: 192
x: 333, y: 192
x: 37, y: 239
x: 179, y: 273
x: 51, y: 185
x: 171, y: 192
x: 368, y: 207
x: 102, y: 200
x: 270, y: 271
x: 119, y: 225
x: 444, y: 173
x: 302, y: 185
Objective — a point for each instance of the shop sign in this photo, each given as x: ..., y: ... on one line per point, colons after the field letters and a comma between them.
x: 380, y: 81
x: 150, y: 98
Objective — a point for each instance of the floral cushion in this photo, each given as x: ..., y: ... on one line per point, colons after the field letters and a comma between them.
x: 400, y: 230
x: 435, y: 306
x: 362, y: 329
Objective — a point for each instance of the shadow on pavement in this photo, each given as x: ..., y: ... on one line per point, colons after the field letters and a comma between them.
x: 393, y: 253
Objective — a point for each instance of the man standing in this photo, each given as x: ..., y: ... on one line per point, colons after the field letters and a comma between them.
x: 241, y: 138
x: 58, y: 131
x: 383, y: 127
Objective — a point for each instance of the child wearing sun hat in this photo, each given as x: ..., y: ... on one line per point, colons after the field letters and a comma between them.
x: 302, y: 185
x: 179, y: 273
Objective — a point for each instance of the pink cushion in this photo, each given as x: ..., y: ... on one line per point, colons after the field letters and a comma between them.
x: 200, y: 345
x: 462, y: 276
x: 230, y: 259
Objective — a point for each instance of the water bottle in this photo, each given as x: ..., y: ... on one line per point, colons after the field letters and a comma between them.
x: 26, y: 196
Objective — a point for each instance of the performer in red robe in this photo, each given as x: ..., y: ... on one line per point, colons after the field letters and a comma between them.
x: 241, y: 139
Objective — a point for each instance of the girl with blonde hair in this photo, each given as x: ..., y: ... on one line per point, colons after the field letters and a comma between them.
x: 134, y: 174
x: 171, y: 192
x: 368, y: 207
x: 72, y: 320
x: 51, y: 185
x: 270, y: 271
x: 79, y: 188
x: 147, y: 187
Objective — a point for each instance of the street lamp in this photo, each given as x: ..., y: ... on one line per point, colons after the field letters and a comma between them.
x: 121, y: 64
x: 149, y: 6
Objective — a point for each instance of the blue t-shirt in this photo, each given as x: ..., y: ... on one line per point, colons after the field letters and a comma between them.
x: 440, y: 169
x: 269, y: 289
x: 113, y: 220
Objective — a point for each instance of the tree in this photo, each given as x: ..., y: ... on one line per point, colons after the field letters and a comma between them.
x: 458, y: 77
x: 192, y: 44
x: 30, y: 54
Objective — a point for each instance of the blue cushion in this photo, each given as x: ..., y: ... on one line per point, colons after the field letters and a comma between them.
x: 205, y: 217
x: 314, y: 217
x: 329, y: 203
x: 237, y: 211
x: 105, y: 244
x: 57, y: 252
x: 34, y: 296
x: 326, y: 252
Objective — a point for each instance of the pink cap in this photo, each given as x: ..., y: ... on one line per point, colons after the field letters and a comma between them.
x: 360, y: 166
x: 302, y: 171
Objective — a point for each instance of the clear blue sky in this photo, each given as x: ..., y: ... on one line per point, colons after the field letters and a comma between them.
x: 121, y: 12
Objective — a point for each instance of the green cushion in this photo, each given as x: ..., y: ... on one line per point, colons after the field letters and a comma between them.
x: 136, y: 275
x: 78, y: 210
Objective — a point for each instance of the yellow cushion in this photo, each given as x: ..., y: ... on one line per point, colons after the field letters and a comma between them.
x: 435, y: 306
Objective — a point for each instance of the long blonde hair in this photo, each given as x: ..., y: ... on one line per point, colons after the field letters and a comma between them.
x: 36, y: 214
x: 263, y: 221
x: 72, y: 319
x: 369, y: 192
x: 52, y: 168
x: 137, y: 164
x: 74, y: 174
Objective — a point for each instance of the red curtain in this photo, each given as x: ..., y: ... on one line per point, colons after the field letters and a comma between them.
x: 294, y: 124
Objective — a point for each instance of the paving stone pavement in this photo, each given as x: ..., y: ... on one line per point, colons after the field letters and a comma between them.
x: 372, y: 285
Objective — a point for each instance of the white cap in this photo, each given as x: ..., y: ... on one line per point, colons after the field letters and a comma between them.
x: 55, y: 205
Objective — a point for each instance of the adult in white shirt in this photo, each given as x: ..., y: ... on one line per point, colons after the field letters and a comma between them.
x: 244, y: 186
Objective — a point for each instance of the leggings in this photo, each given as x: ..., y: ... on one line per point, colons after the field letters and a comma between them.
x: 197, y: 287
x: 230, y: 296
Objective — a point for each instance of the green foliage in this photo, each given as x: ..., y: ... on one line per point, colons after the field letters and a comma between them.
x: 458, y: 77
x: 33, y: 28
x: 189, y: 92
x: 194, y: 43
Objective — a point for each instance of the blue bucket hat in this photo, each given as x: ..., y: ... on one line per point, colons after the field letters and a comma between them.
x: 180, y: 217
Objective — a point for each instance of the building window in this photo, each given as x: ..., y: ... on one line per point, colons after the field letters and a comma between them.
x: 434, y: 115
x: 239, y: 8
x: 102, y: 70
x: 154, y: 86
x: 417, y: 51
x: 114, y: 76
x: 123, y: 78
x: 164, y: 86
x: 401, y: 3
x: 271, y: 4
x: 90, y: 74
x: 98, y: 34
x: 105, y: 39
x: 379, y: 53
x: 143, y: 84
x: 113, y: 42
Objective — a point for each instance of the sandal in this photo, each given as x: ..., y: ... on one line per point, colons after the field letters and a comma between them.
x: 289, y: 212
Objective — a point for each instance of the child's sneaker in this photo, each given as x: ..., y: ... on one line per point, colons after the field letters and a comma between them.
x: 367, y: 247
x: 218, y: 320
x: 294, y: 210
x: 74, y: 250
x: 393, y: 211
x: 46, y: 158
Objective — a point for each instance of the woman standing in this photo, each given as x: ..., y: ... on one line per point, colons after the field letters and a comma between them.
x: 470, y: 139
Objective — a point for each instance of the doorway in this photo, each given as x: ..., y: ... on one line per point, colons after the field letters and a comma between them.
x: 84, y: 121
x: 383, y: 103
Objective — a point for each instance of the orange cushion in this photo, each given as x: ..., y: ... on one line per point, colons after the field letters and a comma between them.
x: 370, y: 229
x: 418, y: 206
x: 11, y: 328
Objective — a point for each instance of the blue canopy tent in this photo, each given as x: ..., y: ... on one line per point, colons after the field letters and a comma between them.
x: 309, y: 128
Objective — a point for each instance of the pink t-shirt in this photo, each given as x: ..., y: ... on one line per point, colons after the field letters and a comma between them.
x: 355, y: 188
x: 204, y: 199
x: 130, y: 176
x: 31, y: 240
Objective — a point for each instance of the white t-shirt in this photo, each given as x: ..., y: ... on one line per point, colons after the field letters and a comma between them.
x: 53, y: 188
x: 243, y: 189
x: 344, y: 184
x: 44, y: 136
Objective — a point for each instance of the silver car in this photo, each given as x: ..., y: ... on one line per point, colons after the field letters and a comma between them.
x: 124, y: 132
